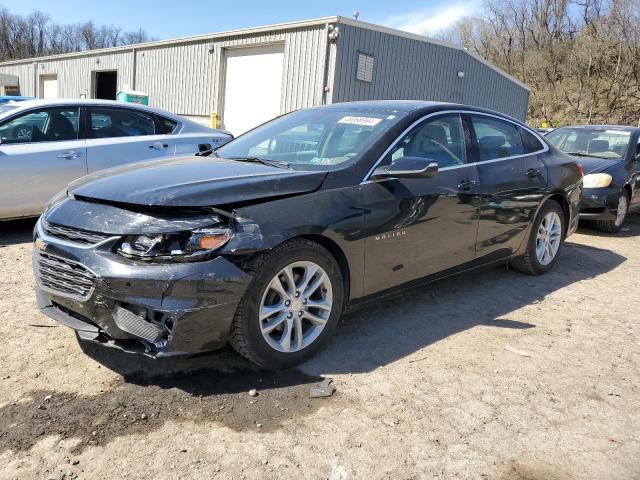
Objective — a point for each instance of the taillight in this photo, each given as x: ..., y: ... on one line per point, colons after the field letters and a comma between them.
x: 580, y: 170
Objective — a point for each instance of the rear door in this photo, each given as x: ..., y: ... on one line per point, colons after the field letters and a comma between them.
x: 40, y: 153
x: 120, y: 135
x: 422, y: 226
x: 512, y: 183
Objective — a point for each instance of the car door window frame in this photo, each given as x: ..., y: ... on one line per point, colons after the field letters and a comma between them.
x: 433, y: 121
x: 409, y: 129
x: 89, y: 129
x: 465, y: 118
x: 474, y: 145
x: 40, y: 109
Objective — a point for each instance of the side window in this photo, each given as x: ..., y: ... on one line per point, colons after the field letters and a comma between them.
x: 45, y: 125
x: 529, y: 141
x: 440, y: 139
x: 120, y: 122
x: 164, y: 126
x: 495, y: 138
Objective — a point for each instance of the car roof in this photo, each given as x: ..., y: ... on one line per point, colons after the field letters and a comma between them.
x: 38, y: 103
x: 408, y: 106
x: 624, y: 128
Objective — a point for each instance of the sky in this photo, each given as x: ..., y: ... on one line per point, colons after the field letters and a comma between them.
x: 161, y: 19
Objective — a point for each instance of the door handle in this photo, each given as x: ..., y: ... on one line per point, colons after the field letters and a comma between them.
x: 69, y: 155
x: 533, y: 172
x: 467, y: 185
x: 158, y: 146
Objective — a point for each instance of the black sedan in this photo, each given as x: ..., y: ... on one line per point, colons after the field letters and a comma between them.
x: 610, y: 156
x: 264, y: 243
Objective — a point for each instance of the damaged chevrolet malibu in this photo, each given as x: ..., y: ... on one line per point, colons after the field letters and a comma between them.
x: 264, y: 243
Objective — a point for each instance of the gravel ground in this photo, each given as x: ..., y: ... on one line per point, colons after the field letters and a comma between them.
x: 491, y: 375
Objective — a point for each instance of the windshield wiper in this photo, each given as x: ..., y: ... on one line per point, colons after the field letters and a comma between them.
x: 580, y: 154
x: 264, y: 161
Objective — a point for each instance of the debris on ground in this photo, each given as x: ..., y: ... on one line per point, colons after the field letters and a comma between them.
x: 253, y: 392
x: 59, y: 475
x: 515, y: 350
x: 325, y: 388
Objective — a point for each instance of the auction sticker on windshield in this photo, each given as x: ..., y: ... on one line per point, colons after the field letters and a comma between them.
x: 618, y: 132
x: 368, y: 121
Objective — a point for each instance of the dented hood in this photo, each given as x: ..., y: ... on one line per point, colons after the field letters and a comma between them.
x: 194, y: 182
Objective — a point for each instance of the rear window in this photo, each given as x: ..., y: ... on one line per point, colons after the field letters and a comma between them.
x: 530, y: 142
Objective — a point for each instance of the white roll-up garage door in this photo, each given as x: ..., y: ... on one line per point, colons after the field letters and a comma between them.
x: 48, y: 86
x: 253, y: 87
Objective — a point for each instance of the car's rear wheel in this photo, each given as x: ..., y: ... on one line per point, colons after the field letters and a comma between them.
x: 614, y: 226
x: 545, y: 241
x: 291, y: 306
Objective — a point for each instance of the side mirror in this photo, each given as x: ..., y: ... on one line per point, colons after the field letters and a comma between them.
x: 408, y: 167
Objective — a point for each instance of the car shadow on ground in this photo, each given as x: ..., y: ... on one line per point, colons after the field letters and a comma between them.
x: 214, y: 388
x: 631, y: 228
x: 386, y: 331
x: 16, y: 231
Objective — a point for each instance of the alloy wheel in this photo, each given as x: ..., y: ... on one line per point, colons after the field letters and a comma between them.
x: 623, y: 205
x: 295, y: 307
x: 548, y: 238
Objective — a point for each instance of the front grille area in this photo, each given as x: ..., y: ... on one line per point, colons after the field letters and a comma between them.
x: 74, y: 235
x: 69, y: 279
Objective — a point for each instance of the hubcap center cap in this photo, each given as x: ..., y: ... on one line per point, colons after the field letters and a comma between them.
x: 296, y: 305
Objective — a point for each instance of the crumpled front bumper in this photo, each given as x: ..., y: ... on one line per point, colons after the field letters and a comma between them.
x: 192, y: 303
x: 599, y: 203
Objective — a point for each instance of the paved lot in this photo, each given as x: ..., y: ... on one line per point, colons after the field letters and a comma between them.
x: 492, y: 375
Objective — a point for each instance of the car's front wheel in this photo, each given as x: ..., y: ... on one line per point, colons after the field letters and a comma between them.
x: 291, y: 306
x: 545, y: 241
x: 614, y: 226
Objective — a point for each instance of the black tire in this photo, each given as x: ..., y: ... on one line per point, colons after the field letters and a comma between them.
x: 529, y: 263
x: 246, y: 337
x: 613, y: 226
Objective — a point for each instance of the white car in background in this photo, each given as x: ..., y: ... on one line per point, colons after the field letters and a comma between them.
x: 45, y: 144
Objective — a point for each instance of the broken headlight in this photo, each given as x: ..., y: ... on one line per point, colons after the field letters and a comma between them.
x: 182, y: 246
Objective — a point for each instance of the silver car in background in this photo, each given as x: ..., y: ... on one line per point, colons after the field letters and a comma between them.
x: 45, y: 144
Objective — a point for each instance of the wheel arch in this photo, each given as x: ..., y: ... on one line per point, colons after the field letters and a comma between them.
x: 564, y: 204
x: 338, y: 253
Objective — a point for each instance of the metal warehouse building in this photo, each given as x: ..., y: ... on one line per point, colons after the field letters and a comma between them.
x: 248, y: 76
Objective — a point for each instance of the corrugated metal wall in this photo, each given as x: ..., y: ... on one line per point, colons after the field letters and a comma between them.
x: 74, y: 73
x: 416, y: 70
x: 185, y: 78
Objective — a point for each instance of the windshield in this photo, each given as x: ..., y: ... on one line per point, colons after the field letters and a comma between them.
x: 315, y: 137
x: 597, y: 141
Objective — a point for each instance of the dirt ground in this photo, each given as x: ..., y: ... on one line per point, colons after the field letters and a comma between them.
x: 491, y: 375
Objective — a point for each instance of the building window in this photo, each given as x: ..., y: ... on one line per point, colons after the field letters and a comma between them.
x: 365, y: 67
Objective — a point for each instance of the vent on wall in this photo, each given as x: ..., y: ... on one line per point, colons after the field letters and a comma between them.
x: 365, y: 67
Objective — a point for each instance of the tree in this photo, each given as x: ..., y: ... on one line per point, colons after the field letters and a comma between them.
x: 580, y: 57
x: 36, y: 35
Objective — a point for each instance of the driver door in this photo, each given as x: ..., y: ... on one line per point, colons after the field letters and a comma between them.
x: 422, y: 226
x: 40, y: 153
